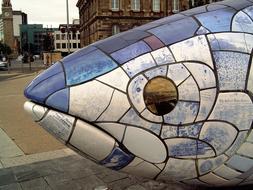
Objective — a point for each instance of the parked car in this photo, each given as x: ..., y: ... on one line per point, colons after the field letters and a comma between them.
x: 3, y: 65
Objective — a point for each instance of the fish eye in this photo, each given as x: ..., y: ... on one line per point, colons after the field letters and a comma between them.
x: 160, y: 95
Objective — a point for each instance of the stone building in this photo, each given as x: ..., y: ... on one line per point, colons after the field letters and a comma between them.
x: 100, y: 19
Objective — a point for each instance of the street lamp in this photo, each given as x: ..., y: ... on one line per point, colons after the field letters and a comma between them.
x: 67, y: 6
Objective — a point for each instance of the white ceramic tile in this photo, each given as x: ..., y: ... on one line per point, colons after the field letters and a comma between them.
x: 151, y: 117
x: 183, y: 113
x: 37, y: 112
x: 246, y: 150
x: 135, y: 92
x: 116, y: 78
x: 161, y: 166
x: 234, y: 107
x: 163, y: 56
x: 117, y: 108
x: 207, y: 100
x: 132, y: 118
x: 92, y: 141
x: 159, y: 71
x: 242, y: 23
x: 178, y: 73
x: 250, y: 137
x: 169, y: 131
x: 194, y: 182
x: 240, y: 163
x: 190, y: 130
x: 250, y: 79
x: 188, y: 90
x: 218, y: 134
x: 241, y: 137
x: 207, y: 165
x: 226, y: 172
x: 195, y: 48
x: 143, y: 169
x: 139, y: 64
x: 89, y: 100
x: 202, y: 30
x: 203, y: 75
x: 140, y: 142
x: 213, y: 179
x: 136, y: 161
x: 115, y: 129
x: 58, y: 124
x: 179, y: 170
x: 231, y: 42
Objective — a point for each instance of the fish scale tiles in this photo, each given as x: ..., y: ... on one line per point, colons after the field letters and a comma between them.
x: 170, y: 100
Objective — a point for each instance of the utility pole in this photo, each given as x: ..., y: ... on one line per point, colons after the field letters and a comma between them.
x: 67, y: 5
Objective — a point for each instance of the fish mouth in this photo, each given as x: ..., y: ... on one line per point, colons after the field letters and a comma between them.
x: 75, y: 133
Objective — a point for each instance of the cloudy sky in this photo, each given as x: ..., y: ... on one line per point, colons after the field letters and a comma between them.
x: 47, y: 12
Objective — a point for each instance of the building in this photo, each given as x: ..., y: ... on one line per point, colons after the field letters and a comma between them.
x: 35, y: 39
x: 61, y: 40
x: 100, y: 19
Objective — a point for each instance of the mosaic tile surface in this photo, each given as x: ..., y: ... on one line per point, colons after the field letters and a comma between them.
x: 109, y: 101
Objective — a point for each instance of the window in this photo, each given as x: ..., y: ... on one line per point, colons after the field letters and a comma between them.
x: 115, y: 29
x: 78, y: 36
x: 79, y: 45
x: 115, y: 5
x: 58, y: 46
x: 69, y: 45
x: 160, y: 95
x: 135, y: 5
x: 74, y: 36
x: 156, y: 5
x: 74, y: 45
x: 63, y: 37
x: 175, y: 6
x: 64, y: 46
x: 57, y: 37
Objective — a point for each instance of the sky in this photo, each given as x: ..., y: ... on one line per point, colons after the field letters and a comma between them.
x: 47, y: 12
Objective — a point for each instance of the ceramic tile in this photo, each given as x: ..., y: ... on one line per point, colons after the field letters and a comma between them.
x: 226, y: 172
x: 137, y: 139
x: 115, y: 129
x: 217, y: 21
x: 173, y: 73
x: 139, y: 64
x: 143, y: 169
x: 207, y: 165
x: 163, y: 56
x: 154, y: 42
x: 89, y: 100
x: 190, y: 130
x: 250, y: 79
x: 242, y: 23
x: 212, y: 179
x: 188, y: 90
x: 246, y: 150
x: 94, y: 64
x: 196, y: 10
x: 218, y: 134
x: 203, y: 75
x: 196, y: 49
x: 130, y: 52
x: 183, y: 113
x: 194, y: 182
x: 234, y: 107
x: 207, y: 101
x: 175, y: 30
x: 118, y: 107
x: 214, y: 7
x: 231, y: 42
x: 132, y: 36
x: 59, y: 100
x: 136, y: 90
x: 116, y: 78
x: 179, y: 170
x: 204, y: 150
x: 250, y: 137
x: 241, y: 137
x: 240, y: 163
x: 232, y: 70
x: 159, y: 71
x: 151, y: 117
x: 238, y: 5
x: 132, y: 118
x: 169, y: 132
x: 36, y: 111
x: 117, y: 159
x: 83, y: 139
x: 249, y: 11
x: 58, y: 124
x: 202, y: 31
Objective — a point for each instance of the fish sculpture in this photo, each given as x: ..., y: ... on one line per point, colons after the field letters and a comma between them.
x: 170, y: 100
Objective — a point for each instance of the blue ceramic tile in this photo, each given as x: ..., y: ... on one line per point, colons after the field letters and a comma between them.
x: 238, y: 5
x: 59, y: 100
x: 249, y: 11
x: 93, y: 64
x: 242, y: 22
x: 45, y: 88
x: 217, y: 21
x: 214, y: 7
x: 204, y: 150
x: 202, y: 30
x: 172, y: 32
x: 240, y: 163
x: 130, y: 52
x: 133, y: 36
x: 232, y: 69
x: 159, y: 71
x: 194, y: 11
x: 117, y: 159
x: 190, y: 130
x: 184, y: 148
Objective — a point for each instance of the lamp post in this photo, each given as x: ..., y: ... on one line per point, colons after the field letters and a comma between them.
x: 67, y: 6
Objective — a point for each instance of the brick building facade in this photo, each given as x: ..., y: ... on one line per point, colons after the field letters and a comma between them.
x: 100, y: 19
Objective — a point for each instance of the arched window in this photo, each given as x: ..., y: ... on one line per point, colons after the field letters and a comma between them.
x: 156, y: 5
x: 115, y: 5
x: 115, y: 29
x: 175, y: 6
x: 135, y: 5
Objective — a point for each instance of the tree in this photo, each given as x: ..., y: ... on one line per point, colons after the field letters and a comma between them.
x: 5, y: 49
